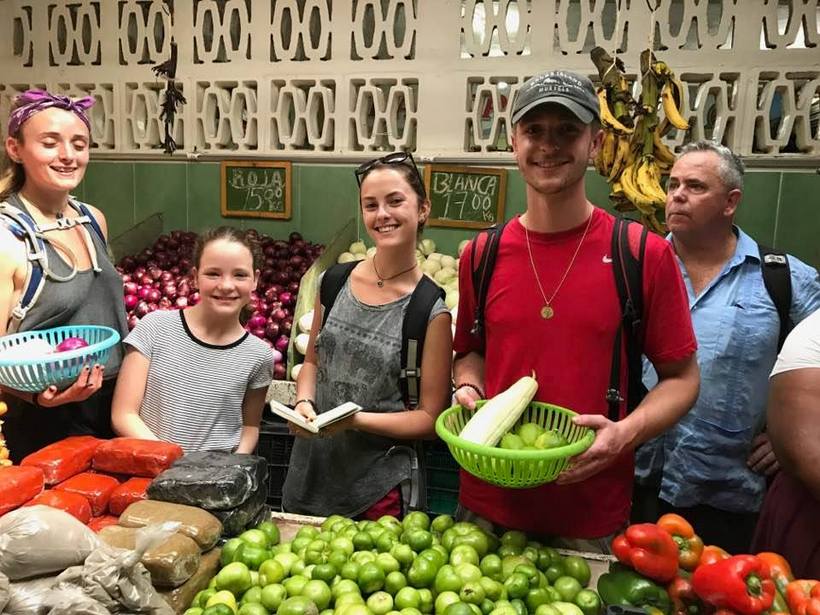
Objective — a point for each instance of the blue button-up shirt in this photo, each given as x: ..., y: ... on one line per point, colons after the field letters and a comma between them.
x: 702, y: 459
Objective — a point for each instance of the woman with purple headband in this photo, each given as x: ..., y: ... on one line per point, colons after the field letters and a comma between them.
x: 46, y: 154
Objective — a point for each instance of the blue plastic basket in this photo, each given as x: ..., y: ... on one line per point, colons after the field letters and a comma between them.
x: 60, y: 369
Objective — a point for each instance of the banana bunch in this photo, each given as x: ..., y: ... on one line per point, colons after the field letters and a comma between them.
x: 633, y: 157
x: 4, y: 452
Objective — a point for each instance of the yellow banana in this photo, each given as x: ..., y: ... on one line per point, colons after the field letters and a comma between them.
x: 607, y: 118
x: 645, y: 203
x: 670, y: 107
x: 648, y: 179
x: 664, y: 155
x: 606, y: 155
x: 622, y: 156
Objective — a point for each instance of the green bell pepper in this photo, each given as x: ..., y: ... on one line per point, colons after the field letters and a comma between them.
x: 625, y: 587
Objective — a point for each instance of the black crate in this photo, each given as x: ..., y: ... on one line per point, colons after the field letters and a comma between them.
x: 442, y: 478
x: 275, y: 445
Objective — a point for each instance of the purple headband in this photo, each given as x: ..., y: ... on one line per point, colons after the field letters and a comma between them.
x: 34, y: 101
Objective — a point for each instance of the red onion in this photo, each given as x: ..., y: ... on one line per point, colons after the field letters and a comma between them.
x: 146, y: 280
x: 131, y: 302
x: 286, y: 298
x: 278, y: 314
x: 286, y: 325
x: 257, y: 321
x: 71, y: 343
x: 132, y: 321
x: 281, y: 343
x: 277, y: 356
x: 166, y: 276
x: 142, y: 292
x: 272, y: 330
x: 155, y: 273
x: 293, y: 287
x: 258, y: 332
x: 279, y: 371
x: 154, y: 295
x: 130, y: 288
x: 141, y: 309
x: 193, y: 298
x: 181, y: 302
x: 164, y: 304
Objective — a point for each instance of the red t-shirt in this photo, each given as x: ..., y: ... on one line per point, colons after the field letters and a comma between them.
x: 571, y: 356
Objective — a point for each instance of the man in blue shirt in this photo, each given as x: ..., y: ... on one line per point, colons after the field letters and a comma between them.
x: 712, y: 466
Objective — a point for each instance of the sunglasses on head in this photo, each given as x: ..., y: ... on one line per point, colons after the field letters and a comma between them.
x: 394, y: 158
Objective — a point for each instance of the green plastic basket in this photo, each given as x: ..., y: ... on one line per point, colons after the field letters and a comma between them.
x: 515, y: 468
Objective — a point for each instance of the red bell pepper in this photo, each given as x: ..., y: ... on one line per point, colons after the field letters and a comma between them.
x: 649, y: 550
x: 803, y: 597
x: 690, y: 545
x: 684, y: 599
x: 712, y: 554
x: 781, y: 574
x: 740, y: 583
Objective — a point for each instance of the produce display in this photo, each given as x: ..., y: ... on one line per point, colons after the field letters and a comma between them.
x: 159, y: 278
x: 414, y: 566
x: 4, y: 451
x: 495, y: 418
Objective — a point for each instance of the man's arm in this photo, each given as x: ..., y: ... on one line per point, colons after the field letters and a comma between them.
x: 663, y: 406
x: 794, y: 424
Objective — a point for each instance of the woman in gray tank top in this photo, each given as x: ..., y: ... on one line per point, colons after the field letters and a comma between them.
x: 355, y: 467
x: 46, y: 157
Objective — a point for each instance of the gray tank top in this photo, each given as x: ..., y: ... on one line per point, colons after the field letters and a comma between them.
x: 90, y: 298
x: 358, y: 352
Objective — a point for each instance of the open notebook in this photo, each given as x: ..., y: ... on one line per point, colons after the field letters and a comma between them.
x: 325, y: 418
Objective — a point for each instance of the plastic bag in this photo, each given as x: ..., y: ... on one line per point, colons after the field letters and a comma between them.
x: 96, y: 488
x: 42, y: 540
x: 195, y: 523
x: 73, y: 601
x: 98, y: 523
x: 171, y: 563
x: 181, y: 597
x: 211, y: 480
x: 235, y: 521
x: 116, y: 578
x: 262, y: 515
x: 135, y: 457
x: 29, y: 597
x: 132, y: 490
x: 72, y: 503
x: 17, y: 486
x: 4, y: 591
x: 63, y: 459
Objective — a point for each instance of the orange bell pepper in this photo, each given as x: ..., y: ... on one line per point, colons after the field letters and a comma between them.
x: 781, y: 574
x: 690, y: 545
x: 712, y: 554
x: 803, y: 597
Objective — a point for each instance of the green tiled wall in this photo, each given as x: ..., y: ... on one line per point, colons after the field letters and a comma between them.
x: 778, y: 208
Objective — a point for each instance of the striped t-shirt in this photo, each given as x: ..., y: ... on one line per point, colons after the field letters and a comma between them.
x: 194, y: 392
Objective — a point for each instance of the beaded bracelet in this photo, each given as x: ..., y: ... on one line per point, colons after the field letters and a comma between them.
x: 474, y: 387
x: 307, y: 401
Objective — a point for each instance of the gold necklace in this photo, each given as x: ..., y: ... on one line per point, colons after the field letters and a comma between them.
x: 382, y: 279
x: 547, y: 311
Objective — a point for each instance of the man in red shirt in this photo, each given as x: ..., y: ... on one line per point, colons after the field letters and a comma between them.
x: 552, y: 307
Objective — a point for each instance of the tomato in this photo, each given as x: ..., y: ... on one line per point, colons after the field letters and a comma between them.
x: 272, y: 596
x: 297, y: 605
x: 517, y: 585
x: 403, y: 553
x: 251, y: 555
x: 295, y: 584
x: 588, y: 601
x: 442, y: 523
x: 385, y: 541
x: 491, y: 566
x: 323, y: 572
x: 515, y: 539
x: 577, y: 568
x: 472, y: 592
x: 201, y: 599
x: 252, y: 608
x: 270, y: 571
x: 363, y: 541
x: 219, y: 609
x: 426, y: 596
x: 407, y: 597
x: 254, y: 594
x: 567, y: 587
x: 547, y: 609
x: 447, y: 580
x: 422, y: 572
x: 350, y: 571
x: 344, y: 586
x: 476, y: 539
x: 418, y: 539
x: 492, y: 589
x: 536, y: 597
x: 394, y: 581
x: 271, y: 531
x: 416, y: 519
x: 345, y: 545
x: 235, y: 578
x: 458, y: 608
x: 255, y: 537
x: 443, y: 600
x: 222, y: 598
x: 380, y: 603
x: 554, y: 571
x: 228, y: 551
x: 317, y: 592
x: 194, y: 610
x: 371, y: 578
x: 464, y: 553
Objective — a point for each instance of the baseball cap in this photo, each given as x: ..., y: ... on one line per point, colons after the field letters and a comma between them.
x: 573, y: 91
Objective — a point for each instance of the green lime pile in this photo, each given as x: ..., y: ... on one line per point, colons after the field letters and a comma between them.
x: 417, y: 566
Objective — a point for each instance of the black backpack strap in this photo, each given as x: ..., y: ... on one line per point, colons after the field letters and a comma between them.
x: 483, y: 272
x: 413, y: 331
x: 628, y: 272
x: 332, y: 282
x: 774, y: 265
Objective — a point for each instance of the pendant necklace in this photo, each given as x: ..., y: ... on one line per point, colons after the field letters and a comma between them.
x: 547, y: 311
x: 382, y: 279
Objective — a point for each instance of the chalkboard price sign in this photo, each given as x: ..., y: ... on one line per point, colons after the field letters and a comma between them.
x: 256, y: 189
x: 465, y: 197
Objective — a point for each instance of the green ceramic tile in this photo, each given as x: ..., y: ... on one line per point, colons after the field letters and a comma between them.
x: 798, y: 224
x: 110, y: 186
x: 758, y: 208
x: 203, y: 196
x: 324, y: 199
x: 161, y: 187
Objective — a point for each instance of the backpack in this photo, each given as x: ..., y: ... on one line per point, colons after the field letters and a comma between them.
x: 413, y: 331
x: 774, y: 265
x: 23, y: 226
x: 628, y: 271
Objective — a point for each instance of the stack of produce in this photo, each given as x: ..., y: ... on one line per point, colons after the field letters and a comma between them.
x: 93, y: 480
x: 52, y: 563
x: 159, y: 278
x: 414, y: 566
x: 633, y: 156
x: 231, y: 487
x: 664, y: 566
x: 4, y: 451
x: 182, y: 563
